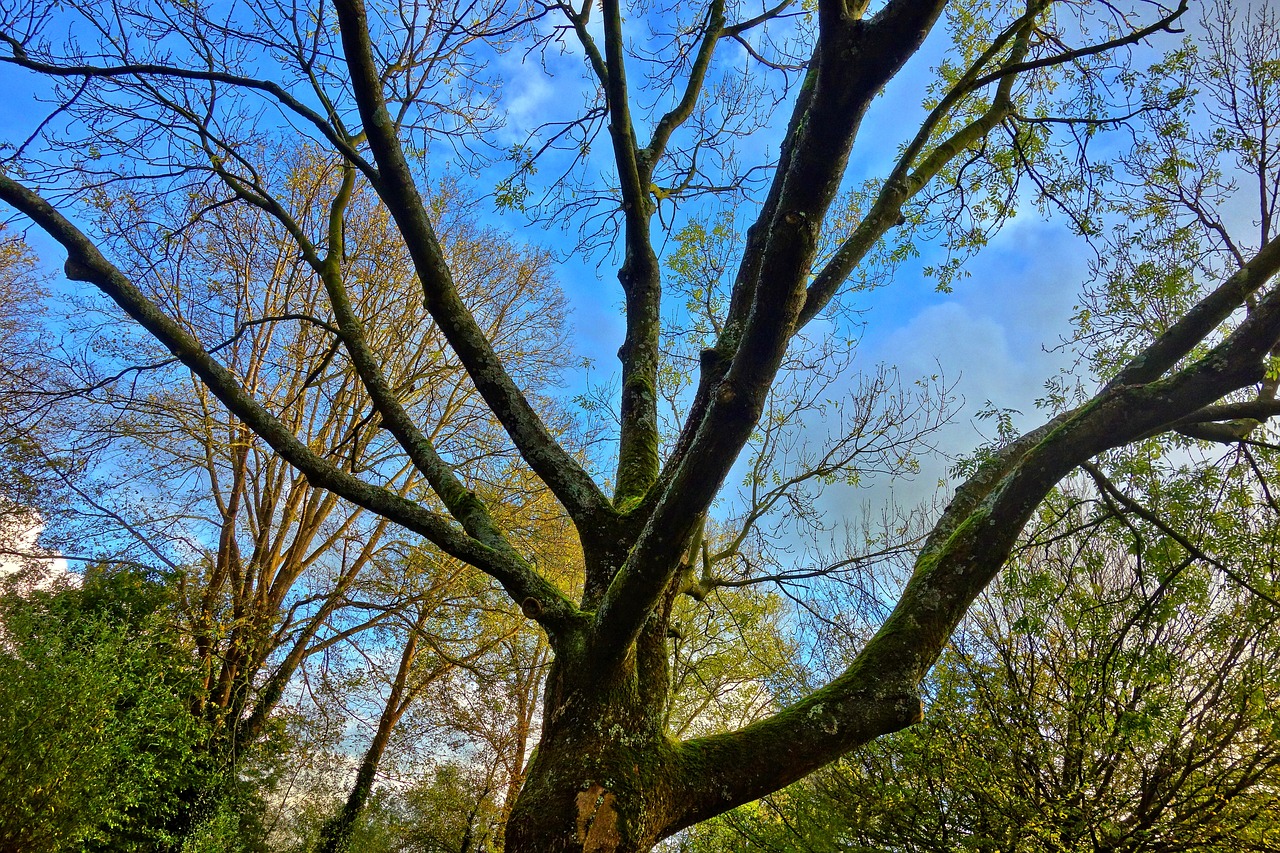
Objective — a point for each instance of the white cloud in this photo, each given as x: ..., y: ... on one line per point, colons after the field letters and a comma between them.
x: 529, y: 93
x: 971, y: 349
x: 994, y: 337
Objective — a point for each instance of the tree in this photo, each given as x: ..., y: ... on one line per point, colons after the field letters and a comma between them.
x: 455, y: 812
x: 439, y: 636
x: 278, y: 571
x: 183, y: 96
x: 20, y: 303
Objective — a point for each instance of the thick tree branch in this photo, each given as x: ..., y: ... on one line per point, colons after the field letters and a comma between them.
x: 461, y: 502
x: 853, y: 61
x: 640, y: 278
x: 552, y: 463
x: 1184, y: 335
x: 907, y: 179
x: 967, y: 548
x: 712, y: 33
x: 631, y: 172
x: 1252, y: 410
x: 1164, y: 25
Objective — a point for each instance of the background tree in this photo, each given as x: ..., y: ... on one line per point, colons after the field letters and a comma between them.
x: 134, y: 455
x: 21, y: 304
x: 188, y: 96
x: 445, y: 629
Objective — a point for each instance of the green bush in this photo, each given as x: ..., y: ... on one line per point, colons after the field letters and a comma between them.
x: 98, y: 747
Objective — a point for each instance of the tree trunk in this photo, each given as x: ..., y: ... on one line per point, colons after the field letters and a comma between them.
x: 518, y: 767
x: 597, y: 786
x: 602, y: 777
x: 335, y: 836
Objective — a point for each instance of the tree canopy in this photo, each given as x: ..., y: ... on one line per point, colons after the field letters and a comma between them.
x: 196, y: 154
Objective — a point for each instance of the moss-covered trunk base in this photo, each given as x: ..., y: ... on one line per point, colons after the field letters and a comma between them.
x: 602, y: 777
x: 591, y: 798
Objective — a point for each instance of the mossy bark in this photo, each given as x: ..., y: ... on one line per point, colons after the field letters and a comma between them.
x: 594, y: 792
x: 601, y: 778
x: 604, y: 775
x: 606, y: 779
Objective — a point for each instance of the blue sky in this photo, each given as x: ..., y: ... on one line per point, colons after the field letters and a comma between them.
x: 988, y: 335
